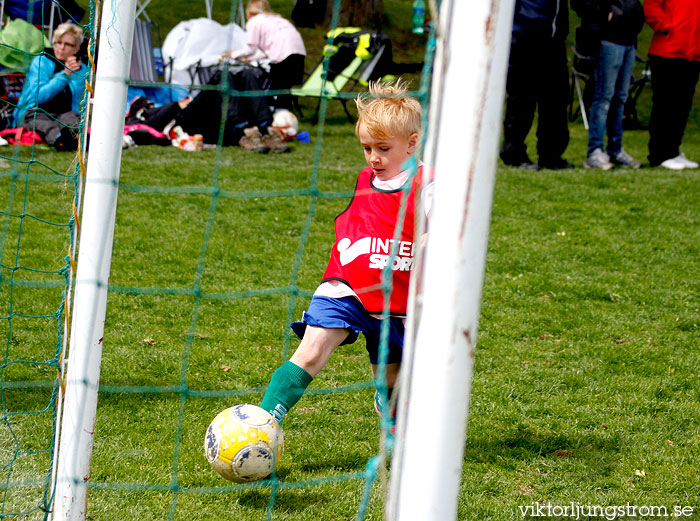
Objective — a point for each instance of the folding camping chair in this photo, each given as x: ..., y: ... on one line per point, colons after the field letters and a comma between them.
x: 143, y: 65
x: 351, y: 57
x: 631, y: 118
x: 202, y: 74
x: 11, y: 84
x: 584, y: 51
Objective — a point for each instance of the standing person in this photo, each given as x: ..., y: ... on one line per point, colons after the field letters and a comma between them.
x: 54, y: 86
x: 350, y: 298
x: 275, y: 38
x: 538, y: 79
x: 617, y: 23
x: 674, y: 60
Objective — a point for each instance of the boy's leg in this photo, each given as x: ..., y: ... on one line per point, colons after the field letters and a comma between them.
x: 385, y: 387
x: 289, y: 382
x: 392, y: 375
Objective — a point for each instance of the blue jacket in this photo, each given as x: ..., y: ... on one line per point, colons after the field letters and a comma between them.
x: 42, y: 85
x: 548, y: 18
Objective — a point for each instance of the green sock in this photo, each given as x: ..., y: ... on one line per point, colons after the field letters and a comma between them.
x: 287, y: 386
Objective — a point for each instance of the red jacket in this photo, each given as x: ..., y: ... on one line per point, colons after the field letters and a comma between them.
x: 676, y: 25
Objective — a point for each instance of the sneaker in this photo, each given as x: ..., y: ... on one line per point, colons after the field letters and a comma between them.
x: 174, y: 131
x: 188, y: 143
x: 128, y: 142
x: 66, y: 141
x: 252, y: 141
x: 273, y: 140
x: 378, y: 404
x: 688, y: 162
x: 379, y: 408
x: 388, y: 433
x: 622, y: 158
x: 558, y: 163
x: 523, y: 162
x: 598, y: 159
x: 675, y: 163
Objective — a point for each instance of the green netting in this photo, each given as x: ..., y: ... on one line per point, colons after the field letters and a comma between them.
x: 215, y: 253
x: 37, y: 244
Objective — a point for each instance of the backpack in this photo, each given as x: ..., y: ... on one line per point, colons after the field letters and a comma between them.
x: 349, y: 42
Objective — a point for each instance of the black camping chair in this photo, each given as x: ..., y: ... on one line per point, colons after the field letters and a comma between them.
x: 639, y: 81
x: 581, y: 94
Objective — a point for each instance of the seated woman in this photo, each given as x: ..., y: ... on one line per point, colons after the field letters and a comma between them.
x: 275, y: 38
x: 50, y: 100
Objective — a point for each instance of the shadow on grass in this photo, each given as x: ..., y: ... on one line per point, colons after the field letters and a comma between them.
x: 524, y: 444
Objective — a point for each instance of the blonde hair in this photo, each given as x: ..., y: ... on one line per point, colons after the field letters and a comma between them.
x: 386, y: 111
x: 258, y: 7
x: 68, y: 28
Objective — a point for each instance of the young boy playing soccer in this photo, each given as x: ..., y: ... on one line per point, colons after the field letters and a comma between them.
x: 350, y: 298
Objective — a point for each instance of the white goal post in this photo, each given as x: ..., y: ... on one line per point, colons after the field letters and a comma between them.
x: 465, y: 111
x: 82, y: 375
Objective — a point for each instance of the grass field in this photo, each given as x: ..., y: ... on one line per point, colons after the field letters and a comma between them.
x: 586, y: 388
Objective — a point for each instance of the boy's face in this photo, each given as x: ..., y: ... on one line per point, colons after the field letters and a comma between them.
x: 385, y: 156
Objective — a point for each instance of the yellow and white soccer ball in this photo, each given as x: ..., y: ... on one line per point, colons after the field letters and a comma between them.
x: 285, y: 123
x: 244, y: 443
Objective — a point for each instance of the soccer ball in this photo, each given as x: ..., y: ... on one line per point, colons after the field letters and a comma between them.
x: 286, y: 123
x: 244, y: 443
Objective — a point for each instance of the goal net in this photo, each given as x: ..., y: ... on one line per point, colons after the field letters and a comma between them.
x: 191, y: 266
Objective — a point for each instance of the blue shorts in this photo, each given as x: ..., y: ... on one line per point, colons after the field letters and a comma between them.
x: 349, y: 313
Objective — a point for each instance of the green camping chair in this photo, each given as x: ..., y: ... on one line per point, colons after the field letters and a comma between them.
x: 350, y: 58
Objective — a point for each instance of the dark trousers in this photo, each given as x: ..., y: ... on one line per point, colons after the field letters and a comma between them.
x: 673, y: 82
x: 203, y: 115
x: 283, y: 76
x: 157, y: 118
x: 58, y: 130
x: 538, y: 79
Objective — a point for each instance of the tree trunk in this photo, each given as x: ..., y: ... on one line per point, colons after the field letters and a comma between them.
x: 366, y: 14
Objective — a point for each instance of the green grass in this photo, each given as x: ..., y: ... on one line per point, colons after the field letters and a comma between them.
x: 586, y: 381
x: 586, y: 385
